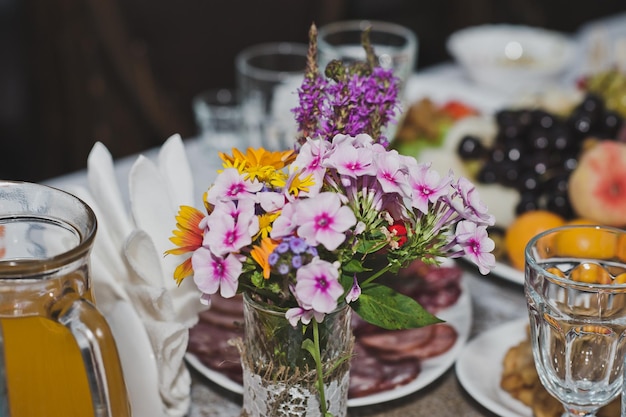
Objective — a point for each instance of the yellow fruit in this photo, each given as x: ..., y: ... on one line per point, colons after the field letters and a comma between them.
x: 591, y: 274
x: 523, y: 228
x: 620, y: 279
x: 586, y: 242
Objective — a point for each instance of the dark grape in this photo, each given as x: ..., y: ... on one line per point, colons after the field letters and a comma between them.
x: 535, y: 151
x: 471, y: 147
x: 487, y: 174
x: 558, y: 203
x: 610, y: 123
x: 527, y: 202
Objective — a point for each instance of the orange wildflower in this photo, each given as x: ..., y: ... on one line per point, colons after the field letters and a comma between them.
x: 261, y: 254
x: 187, y: 237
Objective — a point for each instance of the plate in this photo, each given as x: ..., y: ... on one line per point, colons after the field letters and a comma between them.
x: 509, y: 273
x: 479, y: 368
x: 459, y: 316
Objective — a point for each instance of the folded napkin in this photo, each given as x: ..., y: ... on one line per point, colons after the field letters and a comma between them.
x: 130, y: 273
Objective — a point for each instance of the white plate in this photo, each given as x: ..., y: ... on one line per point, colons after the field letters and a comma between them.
x: 459, y: 316
x: 479, y: 368
x: 508, y: 272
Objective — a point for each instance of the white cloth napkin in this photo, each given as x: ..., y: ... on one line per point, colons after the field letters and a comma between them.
x: 130, y: 273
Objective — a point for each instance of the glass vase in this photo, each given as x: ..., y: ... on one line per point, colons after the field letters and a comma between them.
x: 279, y: 375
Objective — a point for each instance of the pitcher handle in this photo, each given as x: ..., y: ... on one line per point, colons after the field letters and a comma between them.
x: 90, y: 330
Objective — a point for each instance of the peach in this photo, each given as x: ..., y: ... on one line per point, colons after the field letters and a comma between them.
x: 597, y: 186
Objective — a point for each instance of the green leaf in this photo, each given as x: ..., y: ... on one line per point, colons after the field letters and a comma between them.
x: 353, y: 266
x: 308, y: 344
x: 386, y: 308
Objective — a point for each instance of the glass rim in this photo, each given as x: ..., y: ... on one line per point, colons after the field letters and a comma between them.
x: 280, y: 311
x: 13, y: 270
x: 531, y: 262
x: 360, y: 25
x: 266, y: 49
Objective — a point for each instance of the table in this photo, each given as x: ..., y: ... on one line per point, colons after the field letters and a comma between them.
x: 494, y: 300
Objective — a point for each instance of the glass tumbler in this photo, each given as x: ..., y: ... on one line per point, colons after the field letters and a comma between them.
x: 576, y: 296
x: 60, y: 357
x: 268, y: 77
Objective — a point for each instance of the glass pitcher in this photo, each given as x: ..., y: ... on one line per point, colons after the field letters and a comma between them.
x: 60, y: 356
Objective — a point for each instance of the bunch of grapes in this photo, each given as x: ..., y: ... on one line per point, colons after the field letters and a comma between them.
x: 535, y: 151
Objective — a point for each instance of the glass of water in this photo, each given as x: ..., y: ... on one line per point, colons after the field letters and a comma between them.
x: 576, y: 296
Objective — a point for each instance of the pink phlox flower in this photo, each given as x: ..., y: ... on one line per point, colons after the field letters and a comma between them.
x: 476, y: 244
x: 391, y: 175
x: 213, y: 272
x: 352, y: 162
x: 271, y: 201
x: 293, y: 315
x: 361, y: 140
x: 240, y: 210
x: 310, y: 161
x: 471, y: 207
x: 227, y: 234
x: 231, y: 185
x: 317, y: 286
x: 427, y: 186
x: 284, y: 225
x: 355, y: 291
x: 324, y: 220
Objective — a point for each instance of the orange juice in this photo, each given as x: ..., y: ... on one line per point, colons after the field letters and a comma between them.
x: 45, y: 372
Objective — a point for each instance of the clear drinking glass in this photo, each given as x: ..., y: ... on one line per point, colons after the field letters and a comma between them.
x: 268, y: 77
x: 576, y: 300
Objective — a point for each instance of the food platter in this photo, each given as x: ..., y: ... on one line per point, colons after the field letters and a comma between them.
x: 479, y: 368
x: 458, y: 316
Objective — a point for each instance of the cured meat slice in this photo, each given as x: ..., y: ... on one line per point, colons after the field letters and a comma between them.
x: 443, y: 339
x: 398, y: 340
x: 221, y: 319
x: 369, y: 375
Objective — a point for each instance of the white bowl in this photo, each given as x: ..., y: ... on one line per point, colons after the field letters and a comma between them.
x: 513, y: 58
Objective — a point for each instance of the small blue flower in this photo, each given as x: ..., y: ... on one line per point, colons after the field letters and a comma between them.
x: 273, y: 258
x: 282, y: 247
x: 298, y: 245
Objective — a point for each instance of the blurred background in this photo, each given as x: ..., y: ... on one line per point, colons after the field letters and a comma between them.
x: 124, y: 72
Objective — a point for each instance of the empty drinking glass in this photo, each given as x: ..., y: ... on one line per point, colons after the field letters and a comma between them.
x: 576, y: 294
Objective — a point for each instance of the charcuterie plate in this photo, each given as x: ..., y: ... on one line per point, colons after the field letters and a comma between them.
x: 459, y: 316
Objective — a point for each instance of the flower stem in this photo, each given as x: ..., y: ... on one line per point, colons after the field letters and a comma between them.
x: 376, y: 275
x: 318, y: 367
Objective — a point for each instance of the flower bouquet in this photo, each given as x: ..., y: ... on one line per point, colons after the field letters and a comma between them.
x: 304, y: 234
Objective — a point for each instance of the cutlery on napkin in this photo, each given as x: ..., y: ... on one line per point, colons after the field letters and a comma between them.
x: 130, y: 274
